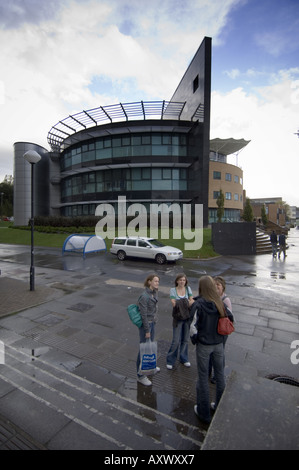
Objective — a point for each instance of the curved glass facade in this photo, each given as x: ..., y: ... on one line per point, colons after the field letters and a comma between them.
x: 125, y: 146
x: 91, y: 185
x: 141, y: 166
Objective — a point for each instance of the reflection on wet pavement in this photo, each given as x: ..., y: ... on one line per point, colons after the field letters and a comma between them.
x: 70, y: 334
x: 260, y: 271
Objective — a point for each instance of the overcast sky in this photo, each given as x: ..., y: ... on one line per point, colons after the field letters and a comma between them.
x: 59, y: 57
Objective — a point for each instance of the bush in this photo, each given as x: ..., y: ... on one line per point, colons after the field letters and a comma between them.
x: 84, y: 221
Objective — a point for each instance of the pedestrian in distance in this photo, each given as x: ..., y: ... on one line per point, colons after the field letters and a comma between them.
x: 148, y: 310
x: 181, y: 300
x: 273, y: 240
x: 206, y: 310
x: 282, y: 245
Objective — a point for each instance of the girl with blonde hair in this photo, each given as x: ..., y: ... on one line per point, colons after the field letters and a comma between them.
x: 206, y: 310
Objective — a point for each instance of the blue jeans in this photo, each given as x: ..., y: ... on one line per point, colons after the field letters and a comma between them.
x: 203, y: 353
x: 211, y: 358
x: 142, y: 339
x: 180, y: 340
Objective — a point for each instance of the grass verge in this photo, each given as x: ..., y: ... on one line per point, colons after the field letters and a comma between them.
x: 17, y: 236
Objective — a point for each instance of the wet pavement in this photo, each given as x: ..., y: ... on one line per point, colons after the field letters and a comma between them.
x: 69, y: 381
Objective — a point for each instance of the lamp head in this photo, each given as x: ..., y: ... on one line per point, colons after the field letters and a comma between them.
x: 32, y: 156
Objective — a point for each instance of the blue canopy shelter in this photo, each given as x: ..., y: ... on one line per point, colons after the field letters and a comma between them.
x: 84, y: 244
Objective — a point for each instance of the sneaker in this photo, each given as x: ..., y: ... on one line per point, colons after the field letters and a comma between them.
x: 187, y: 364
x: 157, y: 370
x: 201, y: 419
x: 213, y: 406
x: 169, y: 366
x: 144, y: 380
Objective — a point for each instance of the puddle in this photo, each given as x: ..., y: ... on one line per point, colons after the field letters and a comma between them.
x: 275, y: 275
x: 35, y: 352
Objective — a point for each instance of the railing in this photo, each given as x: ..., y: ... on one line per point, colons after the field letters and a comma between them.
x: 112, y: 113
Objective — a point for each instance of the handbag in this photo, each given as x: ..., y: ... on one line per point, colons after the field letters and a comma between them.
x: 148, y: 357
x: 134, y: 314
x: 225, y: 326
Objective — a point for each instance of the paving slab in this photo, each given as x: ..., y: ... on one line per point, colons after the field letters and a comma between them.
x: 240, y: 424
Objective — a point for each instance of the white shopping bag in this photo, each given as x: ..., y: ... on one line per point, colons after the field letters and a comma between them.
x: 148, y: 357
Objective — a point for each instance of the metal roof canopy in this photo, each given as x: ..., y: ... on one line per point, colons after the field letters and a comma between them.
x: 227, y: 146
x: 112, y: 113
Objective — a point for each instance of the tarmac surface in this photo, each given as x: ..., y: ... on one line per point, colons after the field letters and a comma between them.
x: 67, y: 364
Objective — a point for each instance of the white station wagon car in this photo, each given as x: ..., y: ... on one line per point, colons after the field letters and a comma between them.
x: 142, y: 247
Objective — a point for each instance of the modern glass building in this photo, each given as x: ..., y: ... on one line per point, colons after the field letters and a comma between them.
x: 148, y: 152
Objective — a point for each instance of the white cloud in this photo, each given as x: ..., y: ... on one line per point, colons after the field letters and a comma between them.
x: 55, y: 57
x: 271, y: 43
x: 234, y: 73
x: 270, y: 159
x: 51, y: 61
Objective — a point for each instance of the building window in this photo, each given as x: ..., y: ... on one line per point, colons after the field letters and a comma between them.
x: 217, y: 175
x: 236, y: 179
x: 167, y: 173
x: 236, y: 197
x: 195, y: 83
x: 125, y: 146
x: 228, y: 177
x: 135, y: 179
x: 230, y: 215
x: 228, y: 196
x: 216, y: 194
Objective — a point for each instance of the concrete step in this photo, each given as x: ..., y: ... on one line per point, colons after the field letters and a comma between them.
x: 255, y: 413
x: 263, y: 244
x: 65, y: 411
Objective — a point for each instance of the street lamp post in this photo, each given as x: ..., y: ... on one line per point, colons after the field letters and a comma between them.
x: 32, y: 157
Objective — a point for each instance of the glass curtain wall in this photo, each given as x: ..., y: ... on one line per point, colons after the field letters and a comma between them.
x: 121, y: 146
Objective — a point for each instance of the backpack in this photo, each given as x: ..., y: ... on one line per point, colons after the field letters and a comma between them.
x: 180, y: 311
x: 134, y: 314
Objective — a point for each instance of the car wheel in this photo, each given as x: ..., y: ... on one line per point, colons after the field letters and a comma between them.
x: 121, y: 255
x: 160, y: 259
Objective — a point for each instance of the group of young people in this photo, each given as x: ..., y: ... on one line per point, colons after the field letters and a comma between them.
x: 196, y: 317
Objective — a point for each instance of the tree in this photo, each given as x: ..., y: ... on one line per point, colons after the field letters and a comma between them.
x: 264, y: 215
x: 248, y: 212
x: 220, y: 204
x: 6, y: 192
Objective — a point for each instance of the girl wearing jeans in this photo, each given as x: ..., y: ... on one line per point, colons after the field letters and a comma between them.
x: 207, y: 309
x: 181, y: 328
x: 148, y: 310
